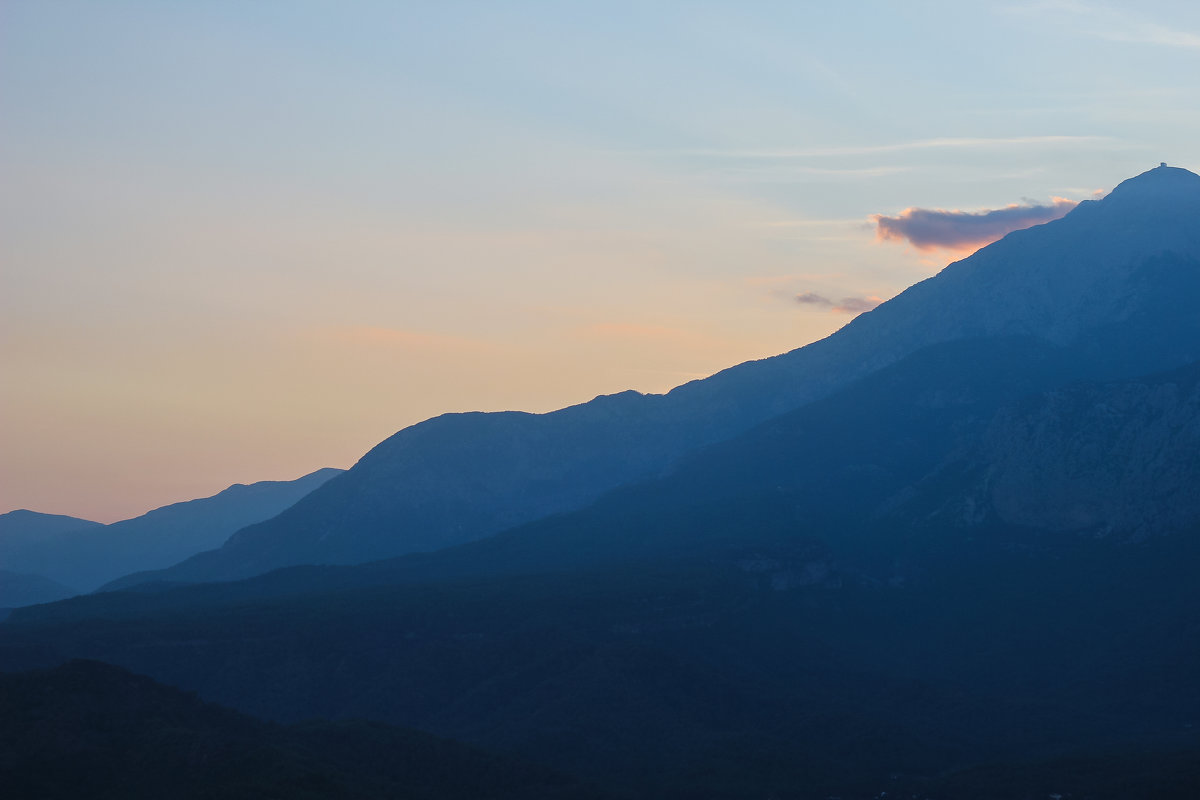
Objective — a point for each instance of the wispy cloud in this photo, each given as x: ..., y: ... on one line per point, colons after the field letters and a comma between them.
x: 1151, y: 33
x: 1110, y: 24
x: 407, y: 340
x: 636, y: 331
x: 934, y: 228
x: 847, y: 305
x: 955, y: 143
x: 774, y: 173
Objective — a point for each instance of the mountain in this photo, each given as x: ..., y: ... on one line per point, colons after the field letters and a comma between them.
x: 803, y: 610
x: 87, y: 729
x: 23, y: 530
x: 968, y: 572
x: 19, y: 589
x: 28, y: 543
x: 84, y: 555
x: 1117, y: 459
x: 31, y: 525
x: 1099, y: 278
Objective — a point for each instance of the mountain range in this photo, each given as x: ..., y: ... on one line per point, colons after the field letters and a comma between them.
x: 948, y: 552
x: 77, y: 555
x: 1113, y: 277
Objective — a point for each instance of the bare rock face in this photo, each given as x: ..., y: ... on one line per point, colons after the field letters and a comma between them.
x: 1106, y: 459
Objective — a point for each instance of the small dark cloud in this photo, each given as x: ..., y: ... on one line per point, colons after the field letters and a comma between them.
x: 929, y: 229
x: 847, y: 305
x: 813, y: 299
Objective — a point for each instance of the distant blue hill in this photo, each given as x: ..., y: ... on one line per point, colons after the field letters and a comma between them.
x: 18, y: 589
x: 84, y: 555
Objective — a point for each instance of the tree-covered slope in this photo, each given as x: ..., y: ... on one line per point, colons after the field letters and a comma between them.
x: 87, y: 729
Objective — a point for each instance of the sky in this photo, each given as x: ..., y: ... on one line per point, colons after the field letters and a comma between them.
x: 243, y: 241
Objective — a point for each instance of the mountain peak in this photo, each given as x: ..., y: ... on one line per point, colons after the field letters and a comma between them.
x: 1160, y: 183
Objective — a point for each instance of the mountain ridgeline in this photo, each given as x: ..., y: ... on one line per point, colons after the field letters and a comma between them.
x: 79, y: 555
x: 949, y: 552
x: 1114, y: 280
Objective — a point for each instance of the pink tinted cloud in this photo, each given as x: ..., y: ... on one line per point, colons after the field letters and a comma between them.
x: 933, y: 228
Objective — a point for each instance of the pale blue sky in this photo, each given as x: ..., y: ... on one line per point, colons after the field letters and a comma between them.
x: 240, y: 241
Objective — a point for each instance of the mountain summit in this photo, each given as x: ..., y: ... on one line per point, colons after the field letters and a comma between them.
x: 1114, y: 275
x: 1159, y: 185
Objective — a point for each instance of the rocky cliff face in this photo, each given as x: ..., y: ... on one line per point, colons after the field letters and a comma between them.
x: 1116, y: 459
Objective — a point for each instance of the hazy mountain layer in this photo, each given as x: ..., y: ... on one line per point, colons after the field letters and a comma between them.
x: 1108, y: 264
x: 19, y: 589
x: 83, y: 555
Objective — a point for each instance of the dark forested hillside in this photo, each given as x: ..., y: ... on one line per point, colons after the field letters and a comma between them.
x: 87, y: 729
x: 768, y: 670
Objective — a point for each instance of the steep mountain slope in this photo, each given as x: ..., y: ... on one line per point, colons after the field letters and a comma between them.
x: 83, y: 555
x: 1108, y: 264
x: 88, y: 729
x: 1102, y: 459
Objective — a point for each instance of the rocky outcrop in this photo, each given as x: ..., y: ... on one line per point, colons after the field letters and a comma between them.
x: 1102, y: 459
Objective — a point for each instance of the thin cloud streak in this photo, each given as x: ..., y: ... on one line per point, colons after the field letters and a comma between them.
x: 772, y: 174
x: 407, y: 340
x: 1110, y: 24
x: 1149, y: 33
x: 898, y: 147
x: 930, y: 229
